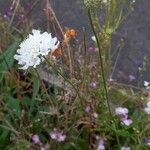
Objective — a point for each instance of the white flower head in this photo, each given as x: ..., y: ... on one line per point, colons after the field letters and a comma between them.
x: 34, y: 47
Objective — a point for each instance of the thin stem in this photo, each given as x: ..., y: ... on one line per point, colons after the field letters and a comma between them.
x: 100, y: 60
x: 61, y: 30
x: 116, y: 61
x: 43, y: 85
x: 54, y: 68
x: 15, y: 11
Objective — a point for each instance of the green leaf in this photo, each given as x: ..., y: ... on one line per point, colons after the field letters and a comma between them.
x: 36, y: 86
x: 26, y: 101
x: 14, y: 105
x: 4, y: 138
x: 7, y: 58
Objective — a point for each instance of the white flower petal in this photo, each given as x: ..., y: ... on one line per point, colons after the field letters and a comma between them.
x: 34, y: 47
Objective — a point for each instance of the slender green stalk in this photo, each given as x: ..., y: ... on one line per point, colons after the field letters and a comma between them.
x: 100, y: 60
x: 55, y: 69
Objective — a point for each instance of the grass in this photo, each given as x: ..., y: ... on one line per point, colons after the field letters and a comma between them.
x: 80, y: 100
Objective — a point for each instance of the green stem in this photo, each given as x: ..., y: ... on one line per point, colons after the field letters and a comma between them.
x: 100, y: 60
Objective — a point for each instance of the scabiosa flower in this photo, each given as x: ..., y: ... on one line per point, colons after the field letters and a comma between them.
x: 121, y: 111
x: 123, y: 115
x: 34, y: 47
x: 127, y: 122
x: 58, y: 135
x: 35, y: 138
x: 147, y: 108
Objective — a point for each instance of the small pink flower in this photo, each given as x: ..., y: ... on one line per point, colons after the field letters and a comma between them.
x: 121, y: 111
x: 110, y: 79
x: 36, y: 139
x: 88, y: 109
x: 123, y: 115
x: 61, y: 137
x: 100, y: 145
x: 93, y: 84
x: 127, y: 122
x: 8, y: 12
x: 57, y: 135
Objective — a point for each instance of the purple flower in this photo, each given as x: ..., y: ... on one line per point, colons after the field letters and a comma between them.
x: 8, y: 12
x: 100, y: 145
x: 93, y: 84
x: 57, y: 135
x: 127, y: 122
x: 121, y: 111
x: 88, y: 109
x: 35, y: 138
x: 123, y: 114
